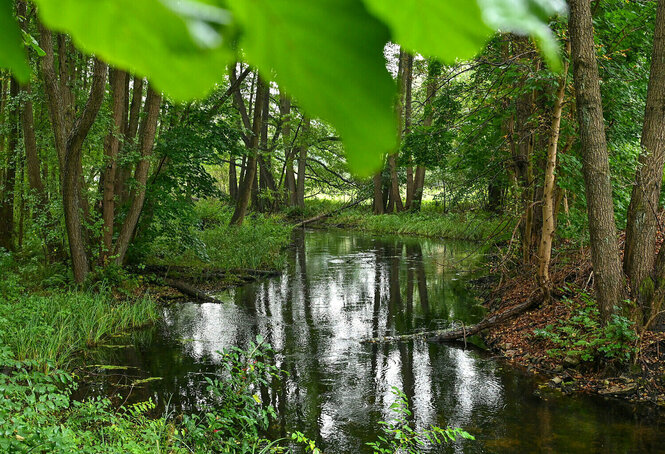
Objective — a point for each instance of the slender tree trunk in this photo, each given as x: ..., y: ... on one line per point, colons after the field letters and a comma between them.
x: 377, y: 181
x: 9, y: 183
x: 245, y: 191
x: 433, y: 72
x: 548, y: 226
x: 118, y: 81
x: 146, y: 143
x: 233, y: 179
x: 641, y: 227
x: 608, y: 277
x: 408, y: 82
x: 302, y: 163
x: 129, y: 143
x: 289, y: 175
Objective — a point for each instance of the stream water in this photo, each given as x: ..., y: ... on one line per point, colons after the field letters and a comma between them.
x: 339, y: 288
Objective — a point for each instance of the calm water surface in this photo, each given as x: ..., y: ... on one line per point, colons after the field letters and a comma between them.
x: 340, y: 288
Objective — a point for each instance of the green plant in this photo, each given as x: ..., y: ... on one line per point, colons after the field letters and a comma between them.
x: 235, y: 423
x: 583, y: 336
x: 399, y: 437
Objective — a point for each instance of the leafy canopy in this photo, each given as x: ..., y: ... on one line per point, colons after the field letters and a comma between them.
x: 327, y: 53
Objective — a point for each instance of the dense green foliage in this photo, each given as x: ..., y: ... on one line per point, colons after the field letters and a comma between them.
x: 582, y: 336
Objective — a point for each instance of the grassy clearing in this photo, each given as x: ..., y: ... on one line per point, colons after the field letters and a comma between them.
x: 474, y: 226
x: 257, y: 244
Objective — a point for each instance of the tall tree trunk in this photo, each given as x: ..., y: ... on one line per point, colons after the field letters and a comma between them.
x: 146, y: 143
x: 641, y: 227
x: 608, y: 278
x: 377, y: 182
x: 129, y: 141
x: 233, y: 179
x: 118, y: 79
x: 289, y: 175
x: 548, y: 208
x: 250, y: 172
x: 433, y: 72
x: 302, y: 163
x: 9, y: 183
x: 408, y: 82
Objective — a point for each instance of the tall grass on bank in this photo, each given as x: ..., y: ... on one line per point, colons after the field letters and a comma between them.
x: 257, y: 244
x: 473, y: 226
x: 52, y: 328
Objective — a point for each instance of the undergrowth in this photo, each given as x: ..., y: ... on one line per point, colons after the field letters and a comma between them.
x: 257, y: 244
x: 582, y: 335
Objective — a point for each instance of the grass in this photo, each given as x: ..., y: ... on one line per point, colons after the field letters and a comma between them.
x: 429, y: 222
x: 257, y: 244
x: 51, y: 328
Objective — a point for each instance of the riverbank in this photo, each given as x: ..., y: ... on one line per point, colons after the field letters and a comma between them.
x: 564, y: 341
x: 430, y: 222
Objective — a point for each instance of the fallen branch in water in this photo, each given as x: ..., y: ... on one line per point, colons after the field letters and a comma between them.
x: 325, y: 215
x: 188, y: 290
x: 443, y: 335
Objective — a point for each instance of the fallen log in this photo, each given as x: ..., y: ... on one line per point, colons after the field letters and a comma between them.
x: 188, y: 290
x: 444, y: 335
x: 325, y: 215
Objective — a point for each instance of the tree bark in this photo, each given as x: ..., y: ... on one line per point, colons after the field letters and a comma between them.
x: 146, y: 143
x: 548, y: 208
x: 642, y: 223
x: 118, y: 79
x: 378, y: 204
x: 408, y: 82
x: 289, y: 175
x: 608, y: 278
x: 302, y: 164
x: 245, y: 190
x: 9, y: 183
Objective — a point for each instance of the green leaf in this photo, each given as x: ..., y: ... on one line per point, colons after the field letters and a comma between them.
x: 177, y: 44
x: 328, y: 54
x: 12, y: 54
x: 448, y: 30
x: 527, y: 17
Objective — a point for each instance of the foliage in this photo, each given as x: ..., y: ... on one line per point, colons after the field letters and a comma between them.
x: 51, y: 328
x: 257, y: 244
x: 399, y: 437
x: 327, y: 54
x: 583, y: 336
x: 239, y: 417
x: 37, y: 413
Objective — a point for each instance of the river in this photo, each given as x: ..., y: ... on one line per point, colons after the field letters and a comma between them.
x: 340, y: 288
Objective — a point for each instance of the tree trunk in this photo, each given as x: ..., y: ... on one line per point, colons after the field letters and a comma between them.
x: 377, y: 181
x: 9, y: 183
x: 245, y: 191
x: 302, y: 164
x: 146, y: 143
x: 289, y: 175
x: 642, y: 223
x: 233, y: 179
x: 118, y: 79
x: 433, y: 72
x: 548, y: 226
x: 408, y: 82
x: 608, y: 278
x: 131, y: 130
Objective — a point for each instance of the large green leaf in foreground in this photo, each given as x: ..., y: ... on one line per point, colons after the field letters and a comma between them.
x: 328, y: 54
x: 449, y: 29
x: 174, y: 43
x: 12, y: 55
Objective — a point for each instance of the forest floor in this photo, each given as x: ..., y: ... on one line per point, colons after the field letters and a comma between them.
x: 563, y: 340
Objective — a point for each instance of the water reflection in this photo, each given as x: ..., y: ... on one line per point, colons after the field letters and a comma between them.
x: 340, y: 288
